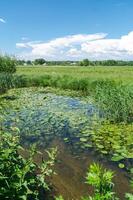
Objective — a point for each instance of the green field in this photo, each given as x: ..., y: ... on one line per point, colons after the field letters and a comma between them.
x: 92, y: 73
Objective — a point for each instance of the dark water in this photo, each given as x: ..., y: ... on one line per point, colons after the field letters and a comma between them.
x: 69, y: 180
x: 50, y: 120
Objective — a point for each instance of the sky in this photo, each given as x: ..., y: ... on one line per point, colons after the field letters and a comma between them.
x: 67, y: 29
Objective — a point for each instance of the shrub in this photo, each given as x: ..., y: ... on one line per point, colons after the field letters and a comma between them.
x: 7, y: 64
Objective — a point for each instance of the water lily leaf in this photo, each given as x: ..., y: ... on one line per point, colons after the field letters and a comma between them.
x: 116, y: 158
x: 83, y: 139
x: 121, y: 165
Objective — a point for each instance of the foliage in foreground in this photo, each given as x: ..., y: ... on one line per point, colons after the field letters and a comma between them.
x: 101, y: 180
x: 20, y: 178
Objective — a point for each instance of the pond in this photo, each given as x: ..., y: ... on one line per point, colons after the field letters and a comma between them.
x: 53, y: 120
x: 41, y: 116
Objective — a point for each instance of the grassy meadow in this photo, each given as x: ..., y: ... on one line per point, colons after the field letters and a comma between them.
x: 117, y: 73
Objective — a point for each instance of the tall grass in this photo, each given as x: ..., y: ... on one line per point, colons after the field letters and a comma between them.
x: 5, y: 82
x: 62, y: 82
x: 115, y: 99
x: 8, y: 81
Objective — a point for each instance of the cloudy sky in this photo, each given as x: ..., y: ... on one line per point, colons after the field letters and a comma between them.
x: 67, y: 29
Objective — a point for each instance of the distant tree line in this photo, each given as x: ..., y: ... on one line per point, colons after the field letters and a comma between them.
x: 85, y: 62
x: 41, y: 61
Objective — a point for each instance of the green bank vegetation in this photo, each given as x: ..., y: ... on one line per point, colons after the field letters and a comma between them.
x: 20, y: 178
x: 7, y: 78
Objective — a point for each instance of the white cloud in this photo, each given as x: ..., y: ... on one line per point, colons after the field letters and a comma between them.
x: 73, y: 52
x: 21, y: 45
x: 2, y: 20
x: 76, y: 47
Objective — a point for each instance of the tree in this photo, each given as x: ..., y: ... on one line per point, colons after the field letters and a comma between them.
x: 29, y: 62
x: 39, y: 61
x: 86, y: 62
x: 20, y: 62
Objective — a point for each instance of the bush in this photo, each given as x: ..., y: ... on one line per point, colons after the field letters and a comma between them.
x: 39, y: 61
x: 7, y: 64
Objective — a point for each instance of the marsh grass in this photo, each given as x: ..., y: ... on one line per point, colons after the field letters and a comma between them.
x: 8, y: 81
x: 115, y: 100
x: 5, y: 82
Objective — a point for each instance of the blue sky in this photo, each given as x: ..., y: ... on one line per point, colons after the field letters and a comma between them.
x: 67, y: 29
